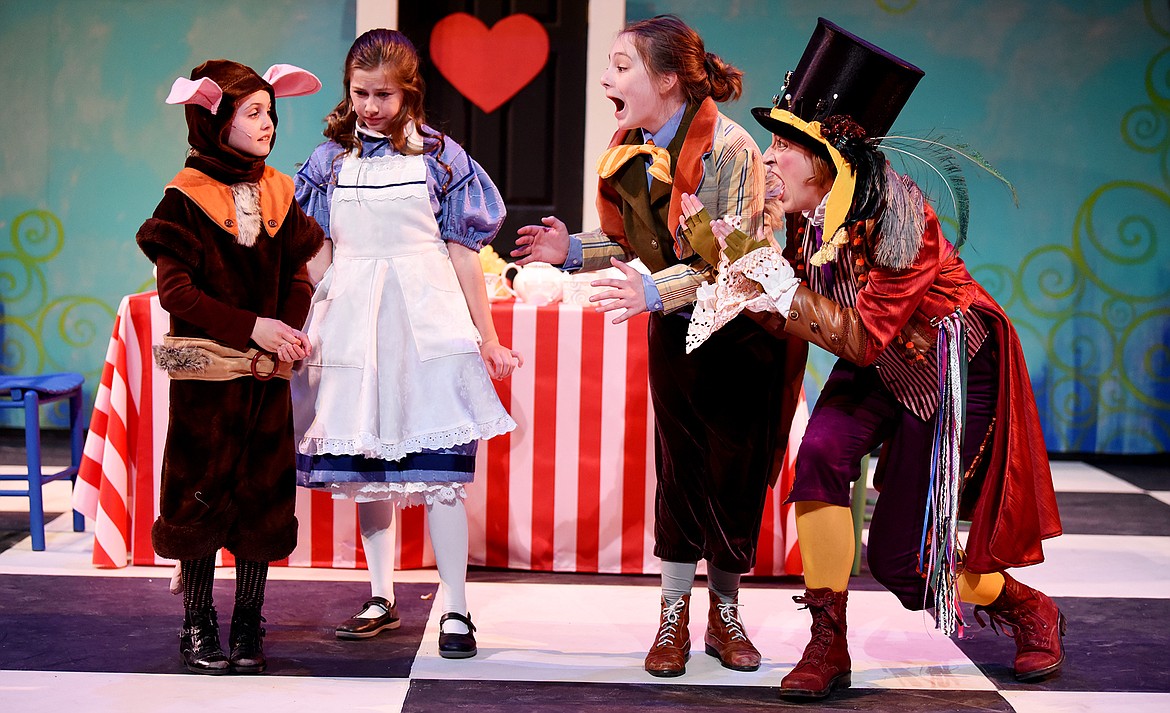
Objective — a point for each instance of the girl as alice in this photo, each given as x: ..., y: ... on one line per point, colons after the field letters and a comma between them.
x: 230, y: 247
x: 397, y: 392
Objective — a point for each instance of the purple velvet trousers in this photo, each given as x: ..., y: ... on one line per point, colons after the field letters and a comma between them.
x: 855, y: 414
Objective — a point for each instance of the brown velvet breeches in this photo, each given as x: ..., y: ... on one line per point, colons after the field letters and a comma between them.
x: 718, y: 424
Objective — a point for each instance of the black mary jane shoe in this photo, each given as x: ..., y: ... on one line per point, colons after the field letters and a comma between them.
x: 199, y: 643
x: 457, y: 646
x: 359, y: 627
x: 247, y: 641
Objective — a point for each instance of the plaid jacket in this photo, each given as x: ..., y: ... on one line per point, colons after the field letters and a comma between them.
x: 720, y: 163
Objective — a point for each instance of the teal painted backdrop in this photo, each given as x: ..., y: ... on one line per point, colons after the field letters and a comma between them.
x: 1071, y: 100
x: 88, y: 144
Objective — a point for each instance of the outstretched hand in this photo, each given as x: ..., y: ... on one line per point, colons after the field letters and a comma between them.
x: 542, y: 243
x: 721, y: 228
x: 692, y: 206
x: 627, y: 292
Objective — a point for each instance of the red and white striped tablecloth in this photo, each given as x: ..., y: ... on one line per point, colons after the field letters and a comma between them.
x: 570, y: 490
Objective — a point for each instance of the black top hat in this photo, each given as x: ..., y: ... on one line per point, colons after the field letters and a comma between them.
x: 840, y: 73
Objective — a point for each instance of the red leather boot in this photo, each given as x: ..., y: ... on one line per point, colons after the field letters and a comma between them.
x: 672, y: 647
x: 1035, y: 622
x: 726, y: 640
x: 825, y: 664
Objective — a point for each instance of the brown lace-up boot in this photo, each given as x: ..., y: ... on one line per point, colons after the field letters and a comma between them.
x: 1035, y: 622
x: 672, y: 647
x: 825, y: 664
x: 725, y: 638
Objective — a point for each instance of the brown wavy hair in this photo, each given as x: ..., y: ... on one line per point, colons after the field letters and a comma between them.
x: 669, y: 46
x: 393, y: 52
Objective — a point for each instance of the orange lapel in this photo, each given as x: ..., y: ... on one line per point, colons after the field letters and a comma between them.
x: 688, y: 169
x: 215, y: 198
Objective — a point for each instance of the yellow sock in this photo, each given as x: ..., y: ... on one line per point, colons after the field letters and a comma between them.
x: 825, y: 535
x: 979, y: 588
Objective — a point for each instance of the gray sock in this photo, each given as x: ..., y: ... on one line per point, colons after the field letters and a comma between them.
x: 677, y: 579
x: 724, y: 584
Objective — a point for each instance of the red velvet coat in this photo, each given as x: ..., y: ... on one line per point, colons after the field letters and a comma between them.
x: 1016, y: 507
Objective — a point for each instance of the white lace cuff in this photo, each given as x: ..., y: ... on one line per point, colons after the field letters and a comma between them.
x: 775, y: 275
x: 761, y: 281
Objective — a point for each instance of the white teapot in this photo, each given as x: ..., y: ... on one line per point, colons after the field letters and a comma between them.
x: 537, y: 283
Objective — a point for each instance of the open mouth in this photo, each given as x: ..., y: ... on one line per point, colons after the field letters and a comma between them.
x: 618, y: 103
x: 775, y: 188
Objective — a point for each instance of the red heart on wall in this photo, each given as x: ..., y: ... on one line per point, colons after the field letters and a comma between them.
x: 487, y: 66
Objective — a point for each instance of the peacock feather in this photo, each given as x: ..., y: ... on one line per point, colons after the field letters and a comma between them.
x: 943, y: 159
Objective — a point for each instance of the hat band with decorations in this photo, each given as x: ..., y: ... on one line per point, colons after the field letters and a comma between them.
x: 840, y: 194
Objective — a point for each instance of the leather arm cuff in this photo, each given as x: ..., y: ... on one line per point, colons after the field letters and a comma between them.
x: 821, y: 321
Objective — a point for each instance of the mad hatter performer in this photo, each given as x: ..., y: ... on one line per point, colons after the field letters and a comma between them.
x: 712, y: 471
x: 230, y: 245
x: 930, y: 369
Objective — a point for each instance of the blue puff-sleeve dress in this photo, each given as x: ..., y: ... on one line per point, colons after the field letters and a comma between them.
x: 395, y: 396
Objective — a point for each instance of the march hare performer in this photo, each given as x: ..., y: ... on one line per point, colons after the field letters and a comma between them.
x: 230, y: 247
x: 713, y: 472
x: 397, y: 393
x: 929, y: 368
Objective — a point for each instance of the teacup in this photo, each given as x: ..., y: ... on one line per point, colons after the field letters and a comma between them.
x: 497, y: 288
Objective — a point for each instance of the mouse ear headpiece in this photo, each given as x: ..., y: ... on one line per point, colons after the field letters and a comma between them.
x: 203, y: 91
x: 291, y: 81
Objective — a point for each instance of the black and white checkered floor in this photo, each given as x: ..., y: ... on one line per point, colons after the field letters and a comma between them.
x: 76, y: 638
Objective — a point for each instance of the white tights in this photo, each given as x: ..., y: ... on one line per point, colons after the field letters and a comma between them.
x: 447, y: 523
x: 379, y: 538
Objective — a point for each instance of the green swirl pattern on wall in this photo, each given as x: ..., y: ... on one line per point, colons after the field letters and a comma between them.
x: 1104, y: 382
x: 41, y: 332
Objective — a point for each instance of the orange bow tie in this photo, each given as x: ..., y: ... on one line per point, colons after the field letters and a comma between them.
x: 616, y: 157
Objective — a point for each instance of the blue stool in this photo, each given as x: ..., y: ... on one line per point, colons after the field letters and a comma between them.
x: 29, y: 392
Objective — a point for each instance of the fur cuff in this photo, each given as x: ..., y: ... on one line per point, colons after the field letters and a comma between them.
x: 187, y: 542
x: 261, y: 545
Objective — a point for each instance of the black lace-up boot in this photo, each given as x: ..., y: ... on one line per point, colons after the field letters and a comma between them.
x: 247, y: 641
x: 199, y: 643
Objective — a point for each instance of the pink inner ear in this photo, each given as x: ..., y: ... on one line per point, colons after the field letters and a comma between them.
x: 204, y: 92
x: 290, y: 81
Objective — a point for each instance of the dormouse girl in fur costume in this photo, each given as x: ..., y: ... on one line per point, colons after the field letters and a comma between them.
x: 397, y: 393
x: 929, y: 369
x: 230, y: 247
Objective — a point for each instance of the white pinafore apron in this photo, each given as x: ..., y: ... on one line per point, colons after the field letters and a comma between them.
x: 395, y: 367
